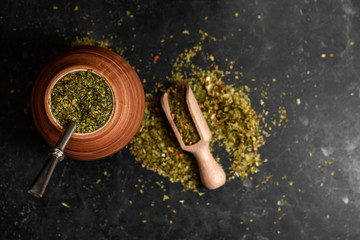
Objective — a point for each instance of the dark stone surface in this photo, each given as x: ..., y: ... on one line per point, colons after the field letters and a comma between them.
x: 306, y: 196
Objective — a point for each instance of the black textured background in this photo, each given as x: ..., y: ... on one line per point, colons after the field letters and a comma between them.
x: 314, y: 190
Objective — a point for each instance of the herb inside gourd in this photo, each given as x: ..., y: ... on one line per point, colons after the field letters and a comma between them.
x: 84, y: 97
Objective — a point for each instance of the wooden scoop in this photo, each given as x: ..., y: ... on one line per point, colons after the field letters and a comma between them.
x: 211, y: 173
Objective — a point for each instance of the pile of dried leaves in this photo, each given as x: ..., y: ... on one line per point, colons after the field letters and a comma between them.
x: 232, y: 120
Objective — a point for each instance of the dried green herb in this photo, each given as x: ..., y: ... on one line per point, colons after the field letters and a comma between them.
x: 156, y: 147
x: 234, y: 124
x: 81, y: 41
x: 181, y: 114
x: 84, y: 97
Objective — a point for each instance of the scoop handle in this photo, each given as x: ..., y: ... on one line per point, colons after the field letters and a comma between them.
x: 212, y: 175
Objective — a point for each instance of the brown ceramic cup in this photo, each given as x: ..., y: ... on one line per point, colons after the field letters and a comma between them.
x: 128, y: 101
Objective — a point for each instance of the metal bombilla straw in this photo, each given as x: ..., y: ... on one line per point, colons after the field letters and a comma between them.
x: 56, y: 155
